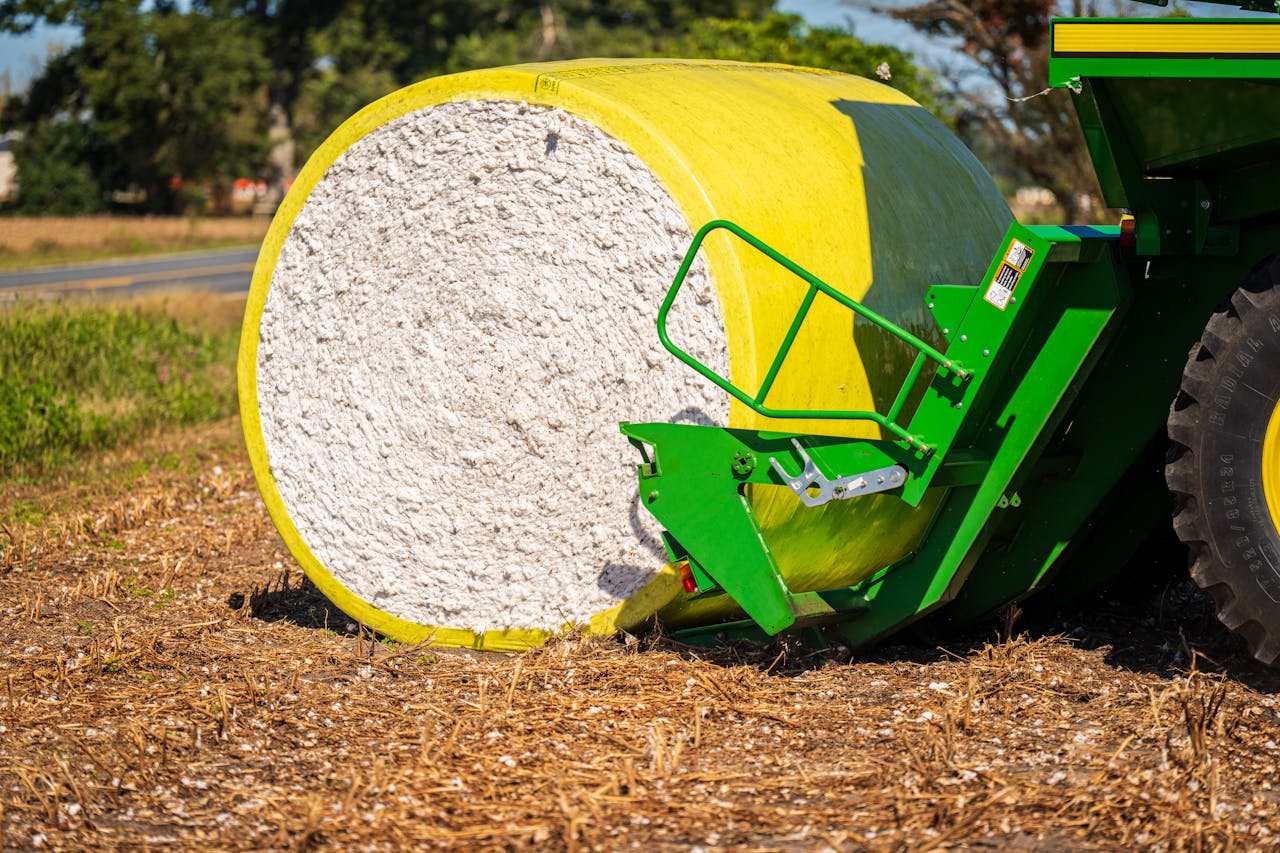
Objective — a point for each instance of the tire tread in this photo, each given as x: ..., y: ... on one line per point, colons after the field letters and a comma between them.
x: 1241, y: 613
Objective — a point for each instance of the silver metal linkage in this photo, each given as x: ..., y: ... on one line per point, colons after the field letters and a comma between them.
x: 840, y: 488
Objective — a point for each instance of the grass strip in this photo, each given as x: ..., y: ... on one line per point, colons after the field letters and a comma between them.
x: 79, y: 376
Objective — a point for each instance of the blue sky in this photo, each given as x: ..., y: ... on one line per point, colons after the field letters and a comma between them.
x: 834, y: 13
x: 22, y: 56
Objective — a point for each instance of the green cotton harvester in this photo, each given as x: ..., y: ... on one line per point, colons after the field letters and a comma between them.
x: 1039, y: 443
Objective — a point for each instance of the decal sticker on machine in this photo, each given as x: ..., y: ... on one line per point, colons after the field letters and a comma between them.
x: 1010, y: 273
x: 1019, y: 255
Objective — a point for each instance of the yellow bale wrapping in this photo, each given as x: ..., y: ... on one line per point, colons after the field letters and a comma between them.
x: 853, y: 180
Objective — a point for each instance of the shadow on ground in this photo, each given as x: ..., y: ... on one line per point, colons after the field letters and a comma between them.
x: 298, y: 603
x: 1154, y: 620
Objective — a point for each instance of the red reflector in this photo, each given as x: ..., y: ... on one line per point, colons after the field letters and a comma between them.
x: 1128, y: 232
x: 686, y: 577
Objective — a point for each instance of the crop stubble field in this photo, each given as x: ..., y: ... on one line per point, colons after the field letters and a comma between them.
x: 168, y: 679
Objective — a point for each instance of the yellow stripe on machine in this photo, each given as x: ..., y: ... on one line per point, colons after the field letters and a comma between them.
x: 1166, y: 38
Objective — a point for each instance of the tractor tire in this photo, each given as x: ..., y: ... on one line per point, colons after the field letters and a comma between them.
x: 1224, y: 461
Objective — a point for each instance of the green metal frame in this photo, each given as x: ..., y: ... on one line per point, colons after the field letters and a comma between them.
x: 1189, y: 144
x: 756, y: 401
x: 971, y: 438
x: 1066, y: 69
x: 1041, y: 419
x: 693, y: 480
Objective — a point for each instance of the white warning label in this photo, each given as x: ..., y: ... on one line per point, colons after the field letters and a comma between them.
x: 1009, y: 274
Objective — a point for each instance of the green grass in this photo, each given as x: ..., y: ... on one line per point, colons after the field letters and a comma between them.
x: 77, y: 377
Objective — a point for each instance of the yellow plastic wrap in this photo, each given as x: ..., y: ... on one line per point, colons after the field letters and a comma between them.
x: 847, y: 176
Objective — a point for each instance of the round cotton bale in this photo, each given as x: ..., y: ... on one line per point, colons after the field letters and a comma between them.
x: 454, y: 308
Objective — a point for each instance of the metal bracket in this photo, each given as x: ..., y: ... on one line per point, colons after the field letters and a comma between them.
x: 840, y: 488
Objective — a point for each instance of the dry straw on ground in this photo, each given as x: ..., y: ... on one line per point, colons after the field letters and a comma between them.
x: 32, y: 240
x: 167, y: 679
x: 22, y: 233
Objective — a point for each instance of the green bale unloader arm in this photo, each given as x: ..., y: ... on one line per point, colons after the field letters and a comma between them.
x: 1095, y: 380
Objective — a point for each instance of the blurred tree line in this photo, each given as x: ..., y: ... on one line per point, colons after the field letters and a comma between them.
x: 1029, y: 135
x: 161, y: 99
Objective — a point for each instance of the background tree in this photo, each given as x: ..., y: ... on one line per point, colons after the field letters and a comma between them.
x: 147, y: 96
x: 329, y: 57
x: 215, y: 89
x: 789, y: 40
x: 1030, y: 136
x: 54, y: 170
x: 506, y: 32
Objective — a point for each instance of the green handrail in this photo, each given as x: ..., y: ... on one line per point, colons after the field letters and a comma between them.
x: 816, y: 286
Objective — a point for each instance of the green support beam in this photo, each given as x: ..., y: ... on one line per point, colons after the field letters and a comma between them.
x: 1028, y: 335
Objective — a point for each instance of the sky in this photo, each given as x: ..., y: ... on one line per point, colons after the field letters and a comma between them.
x: 869, y: 26
x: 22, y: 56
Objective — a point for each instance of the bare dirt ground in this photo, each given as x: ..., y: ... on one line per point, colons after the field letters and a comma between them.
x: 168, y: 680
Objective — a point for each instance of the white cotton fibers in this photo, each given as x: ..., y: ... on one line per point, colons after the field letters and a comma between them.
x: 461, y: 313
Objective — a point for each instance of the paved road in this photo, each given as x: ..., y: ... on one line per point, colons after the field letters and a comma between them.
x: 222, y: 271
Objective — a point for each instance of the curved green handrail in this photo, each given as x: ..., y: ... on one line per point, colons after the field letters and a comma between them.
x: 816, y: 285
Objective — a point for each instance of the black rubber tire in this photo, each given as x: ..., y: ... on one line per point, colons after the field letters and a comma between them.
x: 1230, y: 387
